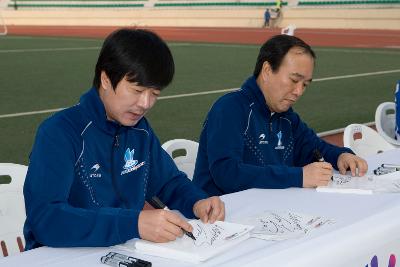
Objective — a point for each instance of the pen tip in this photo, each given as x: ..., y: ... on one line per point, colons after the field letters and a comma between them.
x: 191, y: 236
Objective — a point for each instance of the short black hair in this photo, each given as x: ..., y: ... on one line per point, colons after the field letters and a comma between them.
x: 140, y: 55
x: 275, y: 49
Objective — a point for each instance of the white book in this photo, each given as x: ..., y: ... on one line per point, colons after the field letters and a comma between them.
x: 211, y: 240
x: 367, y: 184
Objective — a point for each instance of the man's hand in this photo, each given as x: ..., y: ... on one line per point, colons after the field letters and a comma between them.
x: 349, y: 161
x: 161, y: 225
x: 209, y: 210
x: 317, y: 174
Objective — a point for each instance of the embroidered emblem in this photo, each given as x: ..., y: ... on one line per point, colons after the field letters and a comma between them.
x: 130, y: 163
x: 279, y: 145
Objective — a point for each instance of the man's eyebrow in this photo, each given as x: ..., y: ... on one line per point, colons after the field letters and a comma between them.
x: 298, y: 75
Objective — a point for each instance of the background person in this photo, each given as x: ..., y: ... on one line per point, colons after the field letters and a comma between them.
x: 252, y: 138
x: 267, y: 17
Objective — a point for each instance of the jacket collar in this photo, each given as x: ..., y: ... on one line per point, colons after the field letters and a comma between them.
x: 254, y: 93
x: 94, y: 109
x: 251, y: 89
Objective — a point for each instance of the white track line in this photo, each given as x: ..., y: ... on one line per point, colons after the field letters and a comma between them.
x: 49, y: 49
x: 208, y: 92
x: 65, y: 49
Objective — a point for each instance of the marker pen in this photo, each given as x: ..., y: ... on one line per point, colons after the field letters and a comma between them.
x: 318, y: 157
x: 383, y: 170
x: 391, y: 166
x: 115, y: 262
x: 134, y: 261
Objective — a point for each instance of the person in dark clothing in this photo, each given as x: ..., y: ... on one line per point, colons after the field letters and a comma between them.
x: 94, y: 165
x: 252, y: 138
x: 267, y: 17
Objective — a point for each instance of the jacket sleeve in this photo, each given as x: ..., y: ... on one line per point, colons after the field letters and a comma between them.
x: 50, y: 218
x: 226, y: 125
x: 172, y: 186
x: 306, y: 141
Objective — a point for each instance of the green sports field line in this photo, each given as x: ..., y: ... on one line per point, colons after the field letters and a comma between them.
x: 211, y: 92
x: 62, y: 49
x: 49, y: 49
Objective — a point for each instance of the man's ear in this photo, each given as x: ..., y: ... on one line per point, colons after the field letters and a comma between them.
x: 266, y: 70
x: 105, y: 81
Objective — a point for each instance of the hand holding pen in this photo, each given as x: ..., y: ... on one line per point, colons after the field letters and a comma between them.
x: 157, y: 204
x: 161, y: 225
x: 318, y: 173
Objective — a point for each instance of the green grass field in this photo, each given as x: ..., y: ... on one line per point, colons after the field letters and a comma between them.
x: 48, y: 73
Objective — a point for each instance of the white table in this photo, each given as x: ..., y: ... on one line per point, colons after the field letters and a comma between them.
x: 366, y: 225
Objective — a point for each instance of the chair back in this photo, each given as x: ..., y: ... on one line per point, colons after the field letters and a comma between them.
x: 12, y: 209
x: 187, y: 162
x: 289, y: 30
x: 385, y: 121
x: 364, y: 141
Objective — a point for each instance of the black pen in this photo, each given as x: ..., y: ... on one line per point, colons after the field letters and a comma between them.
x: 318, y: 157
x: 158, y: 204
x: 135, y: 262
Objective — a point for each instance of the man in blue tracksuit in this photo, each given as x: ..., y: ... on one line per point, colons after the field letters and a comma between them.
x: 93, y: 165
x: 252, y: 138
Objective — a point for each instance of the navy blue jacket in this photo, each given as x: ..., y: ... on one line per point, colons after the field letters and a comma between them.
x: 243, y: 145
x: 88, y: 179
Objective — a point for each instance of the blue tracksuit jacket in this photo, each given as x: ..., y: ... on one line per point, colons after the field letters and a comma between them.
x: 88, y: 179
x: 244, y: 146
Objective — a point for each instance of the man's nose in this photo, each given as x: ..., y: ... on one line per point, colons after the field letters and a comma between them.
x: 145, y: 100
x: 299, y: 89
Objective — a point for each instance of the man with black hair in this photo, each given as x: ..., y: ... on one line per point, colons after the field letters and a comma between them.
x: 252, y: 138
x: 93, y: 165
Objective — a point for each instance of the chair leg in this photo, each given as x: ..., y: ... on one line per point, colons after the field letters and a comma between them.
x: 4, y: 248
x: 20, y: 244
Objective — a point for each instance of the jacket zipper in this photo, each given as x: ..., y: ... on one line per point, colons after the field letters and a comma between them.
x: 114, y: 179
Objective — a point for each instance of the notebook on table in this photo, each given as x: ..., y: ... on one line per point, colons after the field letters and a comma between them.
x: 211, y: 240
x: 368, y: 184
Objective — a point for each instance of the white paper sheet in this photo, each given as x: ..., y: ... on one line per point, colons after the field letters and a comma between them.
x: 283, y: 225
x: 368, y: 184
x: 211, y: 239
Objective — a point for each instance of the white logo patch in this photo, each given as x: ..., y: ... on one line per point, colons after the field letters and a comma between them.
x: 262, y: 139
x: 94, y: 170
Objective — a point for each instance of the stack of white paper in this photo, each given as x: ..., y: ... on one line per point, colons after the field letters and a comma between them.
x: 211, y: 239
x: 368, y: 184
x: 283, y: 225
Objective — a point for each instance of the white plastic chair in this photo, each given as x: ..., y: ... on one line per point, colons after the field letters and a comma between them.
x: 12, y: 209
x: 187, y: 162
x: 385, y: 121
x: 289, y: 30
x: 364, y: 141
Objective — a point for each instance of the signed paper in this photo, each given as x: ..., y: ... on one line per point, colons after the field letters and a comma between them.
x: 283, y: 225
x: 211, y: 239
x: 368, y: 184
